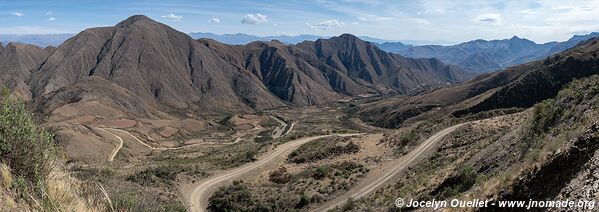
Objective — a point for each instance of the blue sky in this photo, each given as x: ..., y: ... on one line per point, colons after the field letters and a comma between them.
x: 451, y: 20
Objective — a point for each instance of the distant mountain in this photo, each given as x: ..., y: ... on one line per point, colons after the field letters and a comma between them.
x: 146, y: 68
x: 393, y: 46
x: 16, y: 63
x: 42, y: 40
x: 562, y: 46
x: 424, y: 42
x: 518, y: 86
x: 484, y: 56
x: 242, y: 39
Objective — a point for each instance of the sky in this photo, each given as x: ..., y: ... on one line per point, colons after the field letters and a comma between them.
x: 449, y: 20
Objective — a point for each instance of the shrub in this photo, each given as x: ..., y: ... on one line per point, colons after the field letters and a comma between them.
x: 280, y: 176
x: 323, y: 149
x: 463, y: 181
x: 546, y: 114
x: 235, y: 197
x: 303, y: 201
x: 263, y: 136
x: 156, y: 176
x: 28, y: 149
x: 322, y: 172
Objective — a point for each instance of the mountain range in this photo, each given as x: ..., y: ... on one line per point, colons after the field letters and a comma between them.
x: 515, y: 87
x: 143, y: 67
x: 478, y: 56
x: 240, y: 38
x: 42, y: 40
x: 483, y: 56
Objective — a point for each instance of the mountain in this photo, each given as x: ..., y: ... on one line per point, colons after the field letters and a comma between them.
x: 366, y: 63
x: 144, y: 67
x: 518, y: 86
x: 42, y: 40
x: 393, y: 46
x: 562, y: 46
x: 314, y: 72
x: 16, y: 62
x: 479, y: 55
x: 242, y: 39
x: 484, y: 56
x: 148, y: 62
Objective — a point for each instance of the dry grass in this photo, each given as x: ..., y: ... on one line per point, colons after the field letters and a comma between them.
x: 6, y: 176
x: 63, y: 192
x: 6, y: 199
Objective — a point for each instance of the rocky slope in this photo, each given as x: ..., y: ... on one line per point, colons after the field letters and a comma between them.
x: 484, y: 56
x: 161, y: 66
x: 519, y: 86
x: 366, y: 64
x: 154, y: 62
x: 16, y: 62
x: 326, y: 69
x: 547, y: 152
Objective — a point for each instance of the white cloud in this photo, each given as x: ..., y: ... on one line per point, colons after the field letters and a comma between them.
x: 17, y: 14
x: 214, y: 21
x: 362, y: 19
x: 173, y: 17
x: 328, y: 24
x: 49, y: 12
x: 51, y: 19
x: 355, y: 23
x: 493, y: 18
x: 254, y: 18
x: 420, y: 21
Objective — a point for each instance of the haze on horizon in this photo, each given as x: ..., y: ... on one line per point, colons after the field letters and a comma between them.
x: 456, y: 21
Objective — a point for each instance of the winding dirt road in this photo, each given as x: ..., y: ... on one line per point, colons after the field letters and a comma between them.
x: 118, y: 147
x: 120, y: 139
x: 376, y: 180
x: 197, y: 197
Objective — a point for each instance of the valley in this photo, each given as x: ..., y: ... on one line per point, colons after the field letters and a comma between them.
x: 139, y: 116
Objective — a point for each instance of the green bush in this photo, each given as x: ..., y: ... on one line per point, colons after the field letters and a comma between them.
x: 323, y: 149
x: 303, y: 201
x: 463, y: 181
x: 135, y: 201
x: 280, y: 176
x: 546, y: 114
x: 28, y: 149
x: 322, y: 172
x: 235, y: 197
x: 263, y: 136
x: 156, y: 176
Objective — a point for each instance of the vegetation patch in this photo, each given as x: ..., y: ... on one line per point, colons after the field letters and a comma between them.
x: 287, y: 191
x: 235, y: 197
x: 324, y: 148
x: 457, y: 184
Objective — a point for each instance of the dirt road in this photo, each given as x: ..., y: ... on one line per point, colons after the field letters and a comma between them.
x: 120, y: 144
x: 377, y: 179
x: 118, y: 147
x: 278, y: 131
x: 197, y: 196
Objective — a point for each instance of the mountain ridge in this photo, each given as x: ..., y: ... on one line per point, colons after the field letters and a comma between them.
x: 140, y: 59
x: 488, y: 55
x: 515, y: 87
